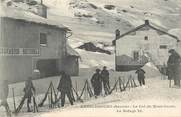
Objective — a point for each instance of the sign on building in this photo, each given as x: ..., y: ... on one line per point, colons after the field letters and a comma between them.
x: 19, y: 51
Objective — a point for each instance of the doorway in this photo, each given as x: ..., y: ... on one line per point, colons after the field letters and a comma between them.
x: 47, y: 67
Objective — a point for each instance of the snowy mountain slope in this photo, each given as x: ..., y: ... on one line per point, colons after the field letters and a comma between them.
x: 98, y: 25
x: 160, y: 11
x: 126, y: 15
x: 91, y: 21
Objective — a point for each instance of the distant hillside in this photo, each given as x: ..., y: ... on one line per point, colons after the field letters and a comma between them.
x: 96, y: 20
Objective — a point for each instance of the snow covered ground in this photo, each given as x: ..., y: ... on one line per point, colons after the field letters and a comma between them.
x: 98, y: 25
x: 156, y: 98
x: 102, y: 23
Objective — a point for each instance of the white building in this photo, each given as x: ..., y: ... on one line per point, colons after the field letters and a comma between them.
x: 145, y: 43
x: 31, y: 43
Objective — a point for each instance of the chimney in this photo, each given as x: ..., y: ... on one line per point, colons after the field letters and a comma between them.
x: 147, y: 22
x: 42, y: 10
x: 117, y: 33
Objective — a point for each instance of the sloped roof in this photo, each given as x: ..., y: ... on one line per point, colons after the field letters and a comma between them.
x: 147, y: 24
x: 19, y: 14
x: 71, y: 51
x: 126, y: 60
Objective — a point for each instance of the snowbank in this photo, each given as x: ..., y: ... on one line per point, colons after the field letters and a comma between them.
x: 93, y: 59
x: 151, y: 70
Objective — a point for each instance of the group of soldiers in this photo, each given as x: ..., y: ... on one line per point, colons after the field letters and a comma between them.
x: 99, y: 78
x: 172, y: 70
x: 64, y: 86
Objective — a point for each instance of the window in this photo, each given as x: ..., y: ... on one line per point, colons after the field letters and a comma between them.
x: 163, y: 46
x: 43, y: 39
x: 136, y: 55
x: 146, y: 38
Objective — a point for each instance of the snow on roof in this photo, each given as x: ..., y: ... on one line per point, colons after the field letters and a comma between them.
x: 152, y: 26
x: 19, y: 14
x: 72, y: 52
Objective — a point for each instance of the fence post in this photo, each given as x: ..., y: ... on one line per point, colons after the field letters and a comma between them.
x: 51, y: 94
x: 55, y: 96
x: 76, y: 87
x: 79, y: 98
x: 121, y: 85
x: 49, y: 99
x: 89, y: 89
x: 131, y: 81
x: 116, y: 85
x: 46, y: 95
x: 134, y: 83
x: 85, y: 92
x: 14, y: 102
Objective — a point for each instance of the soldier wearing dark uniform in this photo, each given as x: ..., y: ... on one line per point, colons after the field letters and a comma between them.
x: 96, y: 83
x: 173, y: 63
x: 65, y: 87
x: 4, y: 90
x: 105, y: 80
x: 29, y: 90
x: 141, y: 76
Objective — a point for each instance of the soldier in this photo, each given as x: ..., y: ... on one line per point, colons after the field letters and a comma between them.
x: 96, y: 83
x: 105, y: 80
x: 173, y: 63
x: 29, y: 90
x: 65, y: 87
x: 4, y: 90
x: 141, y: 76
